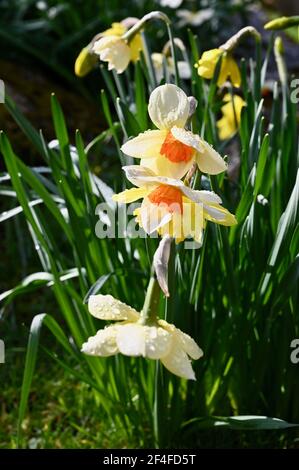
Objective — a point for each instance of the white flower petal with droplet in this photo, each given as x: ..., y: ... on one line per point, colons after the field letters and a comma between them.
x: 178, y: 363
x: 168, y: 107
x: 189, y: 345
x: 187, y: 138
x: 139, y: 175
x: 103, y: 343
x: 107, y: 307
x: 115, y: 51
x: 142, y: 340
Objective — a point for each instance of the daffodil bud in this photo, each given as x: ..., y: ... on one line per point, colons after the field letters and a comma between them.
x: 85, y: 62
x: 192, y: 105
x: 283, y: 22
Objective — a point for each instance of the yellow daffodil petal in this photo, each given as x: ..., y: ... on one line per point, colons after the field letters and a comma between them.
x: 209, y: 161
x: 115, y: 51
x: 141, y: 340
x: 117, y: 29
x: 136, y: 47
x: 234, y: 71
x: 219, y: 215
x: 226, y: 128
x: 231, y: 110
x: 162, y: 166
x: 146, y: 145
x: 168, y: 107
x: 106, y: 307
x: 229, y: 68
x: 207, y: 63
x: 130, y: 195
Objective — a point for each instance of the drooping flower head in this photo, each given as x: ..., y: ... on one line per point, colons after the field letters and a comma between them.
x: 129, y: 336
x: 171, y: 150
x: 171, y: 207
x: 112, y: 48
x: 229, y: 69
x: 231, y: 116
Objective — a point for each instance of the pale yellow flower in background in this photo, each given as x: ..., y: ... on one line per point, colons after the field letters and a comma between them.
x: 171, y: 150
x: 194, y: 18
x: 130, y: 337
x: 115, y: 51
x: 171, y: 207
x: 119, y: 29
x: 231, y: 116
x: 183, y: 66
x: 229, y: 68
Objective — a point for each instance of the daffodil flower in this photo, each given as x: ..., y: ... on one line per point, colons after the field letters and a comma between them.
x: 171, y: 207
x: 129, y: 336
x: 229, y: 68
x: 171, y: 150
x: 231, y: 116
x: 111, y: 47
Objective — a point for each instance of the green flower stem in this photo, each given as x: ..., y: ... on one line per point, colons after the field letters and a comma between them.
x: 154, y: 15
x: 233, y: 42
x: 151, y: 303
x: 282, y: 72
x: 149, y: 62
x: 159, y: 407
x: 173, y: 53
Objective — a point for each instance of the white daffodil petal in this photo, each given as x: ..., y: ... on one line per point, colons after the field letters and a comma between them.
x: 153, y: 216
x: 178, y: 363
x: 189, y: 345
x: 139, y: 175
x: 209, y: 161
x: 107, y: 307
x: 103, y: 343
x: 187, y: 138
x: 145, y: 145
x: 141, y: 340
x: 115, y: 51
x: 204, y: 197
x: 168, y: 107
